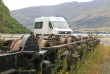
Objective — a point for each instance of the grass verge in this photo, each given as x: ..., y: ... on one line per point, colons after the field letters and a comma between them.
x: 89, y: 64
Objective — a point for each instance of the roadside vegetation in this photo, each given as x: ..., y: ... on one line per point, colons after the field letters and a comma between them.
x: 89, y: 64
x: 1, y: 42
x: 9, y: 24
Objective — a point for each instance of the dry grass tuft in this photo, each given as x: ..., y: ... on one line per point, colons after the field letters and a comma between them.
x: 92, y: 63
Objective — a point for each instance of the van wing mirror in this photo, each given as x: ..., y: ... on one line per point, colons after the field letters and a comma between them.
x: 50, y: 25
x: 69, y: 26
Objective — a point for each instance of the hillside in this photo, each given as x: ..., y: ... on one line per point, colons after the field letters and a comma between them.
x: 9, y: 24
x: 82, y: 16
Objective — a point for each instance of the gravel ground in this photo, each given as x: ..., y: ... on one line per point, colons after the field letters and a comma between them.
x: 105, y: 41
x: 105, y: 66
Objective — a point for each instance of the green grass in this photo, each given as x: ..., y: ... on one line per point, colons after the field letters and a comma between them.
x: 1, y: 42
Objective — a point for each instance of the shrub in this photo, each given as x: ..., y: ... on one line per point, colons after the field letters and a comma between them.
x: 1, y: 42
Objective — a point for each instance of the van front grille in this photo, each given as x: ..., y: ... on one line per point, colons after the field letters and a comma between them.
x: 64, y: 32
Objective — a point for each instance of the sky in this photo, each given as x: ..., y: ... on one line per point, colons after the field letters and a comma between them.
x: 18, y: 4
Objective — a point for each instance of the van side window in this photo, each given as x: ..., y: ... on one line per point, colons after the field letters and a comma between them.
x: 50, y: 25
x: 38, y: 25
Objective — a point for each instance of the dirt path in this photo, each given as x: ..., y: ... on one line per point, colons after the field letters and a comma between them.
x: 105, y: 41
x: 105, y: 66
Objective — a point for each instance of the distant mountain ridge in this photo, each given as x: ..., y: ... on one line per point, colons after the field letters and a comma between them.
x: 9, y: 24
x: 80, y: 15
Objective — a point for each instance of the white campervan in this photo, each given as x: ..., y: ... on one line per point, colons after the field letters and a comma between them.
x: 51, y: 25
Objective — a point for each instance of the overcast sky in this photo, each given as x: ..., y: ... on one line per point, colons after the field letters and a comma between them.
x: 18, y: 4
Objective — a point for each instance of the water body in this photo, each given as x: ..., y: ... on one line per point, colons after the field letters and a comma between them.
x: 75, y: 34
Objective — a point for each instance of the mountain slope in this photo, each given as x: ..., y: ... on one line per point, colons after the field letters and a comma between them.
x: 80, y: 15
x: 7, y: 23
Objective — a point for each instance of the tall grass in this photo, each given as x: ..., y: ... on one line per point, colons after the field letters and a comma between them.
x: 60, y: 64
x: 89, y: 64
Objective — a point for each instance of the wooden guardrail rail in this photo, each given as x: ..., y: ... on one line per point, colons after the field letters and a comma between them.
x: 64, y: 45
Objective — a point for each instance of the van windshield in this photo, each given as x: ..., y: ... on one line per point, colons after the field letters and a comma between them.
x: 60, y: 24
